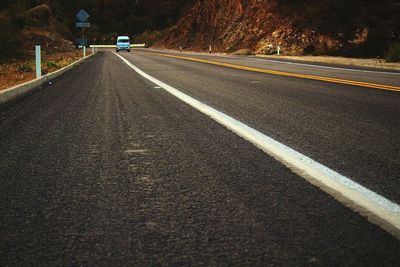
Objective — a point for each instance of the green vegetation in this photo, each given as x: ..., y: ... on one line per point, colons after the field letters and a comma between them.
x: 393, y: 53
x: 232, y: 48
x: 24, y: 68
x: 51, y: 64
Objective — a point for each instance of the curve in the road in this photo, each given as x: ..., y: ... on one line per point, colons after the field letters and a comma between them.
x: 326, y: 67
x: 290, y: 74
x: 376, y: 208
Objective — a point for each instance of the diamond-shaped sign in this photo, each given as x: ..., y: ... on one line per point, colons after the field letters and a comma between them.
x: 82, y: 15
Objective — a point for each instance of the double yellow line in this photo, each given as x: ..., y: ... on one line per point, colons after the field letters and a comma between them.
x: 289, y: 74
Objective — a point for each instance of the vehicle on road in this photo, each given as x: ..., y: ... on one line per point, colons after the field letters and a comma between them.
x: 123, y: 43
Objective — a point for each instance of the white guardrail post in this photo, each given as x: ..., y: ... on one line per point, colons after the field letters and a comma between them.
x: 38, y: 62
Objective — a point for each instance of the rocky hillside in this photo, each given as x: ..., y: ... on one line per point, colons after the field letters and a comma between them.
x: 41, y: 27
x: 24, y: 29
x: 52, y: 22
x: 335, y: 27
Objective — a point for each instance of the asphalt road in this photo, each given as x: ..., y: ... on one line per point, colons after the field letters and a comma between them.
x: 390, y: 77
x: 102, y: 168
x: 353, y: 130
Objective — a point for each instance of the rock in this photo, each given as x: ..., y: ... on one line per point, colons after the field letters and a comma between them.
x: 38, y: 16
x: 270, y: 50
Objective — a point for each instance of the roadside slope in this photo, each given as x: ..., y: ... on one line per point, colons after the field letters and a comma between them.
x: 355, y: 28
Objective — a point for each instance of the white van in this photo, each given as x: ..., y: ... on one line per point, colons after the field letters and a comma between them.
x: 123, y: 43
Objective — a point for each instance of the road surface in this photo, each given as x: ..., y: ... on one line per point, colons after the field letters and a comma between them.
x: 103, y: 167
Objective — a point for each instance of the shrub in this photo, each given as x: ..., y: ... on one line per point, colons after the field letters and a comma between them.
x: 270, y: 50
x: 232, y: 48
x: 393, y: 53
x: 51, y: 64
x: 24, y: 68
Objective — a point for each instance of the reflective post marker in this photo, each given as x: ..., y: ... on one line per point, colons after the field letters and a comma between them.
x: 38, y: 62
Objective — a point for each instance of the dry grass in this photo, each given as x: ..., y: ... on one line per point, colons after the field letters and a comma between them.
x: 18, y: 72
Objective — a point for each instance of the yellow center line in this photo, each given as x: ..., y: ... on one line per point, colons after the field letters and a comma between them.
x: 289, y: 74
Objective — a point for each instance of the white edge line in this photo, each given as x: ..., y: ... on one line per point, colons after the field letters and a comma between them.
x: 376, y: 208
x: 324, y: 67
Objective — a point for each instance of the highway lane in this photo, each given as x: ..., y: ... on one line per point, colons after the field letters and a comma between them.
x: 387, y: 77
x: 101, y: 168
x: 352, y: 130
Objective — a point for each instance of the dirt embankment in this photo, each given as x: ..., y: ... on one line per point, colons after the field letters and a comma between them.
x: 325, y: 27
x: 22, y: 30
x: 39, y: 27
x: 21, y: 71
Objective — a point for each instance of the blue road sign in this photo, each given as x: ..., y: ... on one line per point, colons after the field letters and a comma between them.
x: 83, y: 25
x: 80, y: 42
x: 82, y: 15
